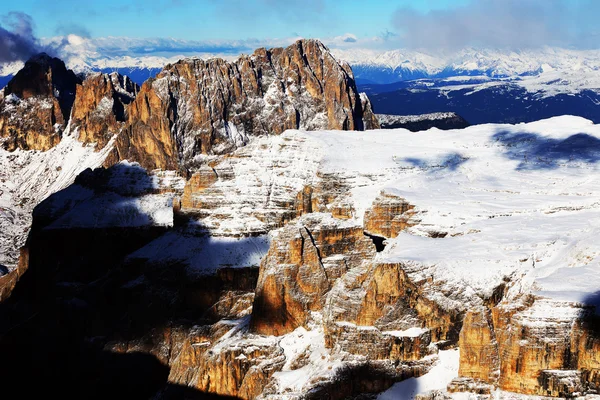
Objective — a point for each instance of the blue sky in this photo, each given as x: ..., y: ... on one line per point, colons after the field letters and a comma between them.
x: 239, y: 25
x: 217, y: 19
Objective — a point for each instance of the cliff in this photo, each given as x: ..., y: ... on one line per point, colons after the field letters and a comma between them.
x: 197, y: 107
x: 35, y: 105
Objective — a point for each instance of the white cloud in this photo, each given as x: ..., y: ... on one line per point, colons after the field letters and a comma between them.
x: 501, y: 24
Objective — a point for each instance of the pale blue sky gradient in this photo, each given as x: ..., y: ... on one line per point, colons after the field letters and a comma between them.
x: 216, y: 19
x: 402, y: 23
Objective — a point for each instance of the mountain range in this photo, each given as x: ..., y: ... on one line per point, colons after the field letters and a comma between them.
x: 244, y: 229
x: 483, y: 86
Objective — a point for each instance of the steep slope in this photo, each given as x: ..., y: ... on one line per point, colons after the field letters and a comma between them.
x: 46, y: 110
x: 100, y: 107
x: 36, y: 104
x: 55, y: 127
x: 197, y: 107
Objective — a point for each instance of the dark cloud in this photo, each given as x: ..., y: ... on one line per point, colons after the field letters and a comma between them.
x: 17, y: 41
x: 502, y: 24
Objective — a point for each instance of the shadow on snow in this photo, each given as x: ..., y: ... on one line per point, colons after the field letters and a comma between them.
x: 536, y: 152
x: 81, y: 297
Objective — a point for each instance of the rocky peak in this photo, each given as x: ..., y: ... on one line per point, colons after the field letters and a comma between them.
x: 45, y: 76
x: 213, y: 106
x: 36, y: 104
x: 100, y: 107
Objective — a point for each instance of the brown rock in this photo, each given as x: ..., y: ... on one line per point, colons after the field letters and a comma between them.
x: 238, y: 368
x: 100, y: 107
x: 388, y: 216
x: 36, y: 104
x: 479, y: 357
x: 9, y: 281
x: 521, y: 347
x: 300, y: 269
x: 211, y: 107
x: 383, y: 296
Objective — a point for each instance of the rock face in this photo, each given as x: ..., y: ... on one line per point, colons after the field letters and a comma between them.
x: 388, y: 216
x: 416, y: 123
x: 515, y: 347
x: 36, y: 104
x: 211, y: 107
x: 192, y: 108
x: 100, y: 107
x: 479, y: 353
x: 300, y: 265
x: 303, y: 263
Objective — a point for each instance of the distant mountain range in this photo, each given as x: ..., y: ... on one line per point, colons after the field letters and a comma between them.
x: 481, y: 85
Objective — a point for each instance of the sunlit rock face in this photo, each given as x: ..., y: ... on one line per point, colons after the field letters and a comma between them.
x: 36, y: 104
x: 100, y: 107
x: 211, y: 107
x: 534, y: 346
x: 304, y: 261
x: 388, y: 216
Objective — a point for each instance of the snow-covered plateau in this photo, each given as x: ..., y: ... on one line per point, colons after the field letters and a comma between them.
x: 493, y: 207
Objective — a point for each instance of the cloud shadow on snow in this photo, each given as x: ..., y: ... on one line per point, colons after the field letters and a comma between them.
x: 535, y: 152
x: 450, y: 162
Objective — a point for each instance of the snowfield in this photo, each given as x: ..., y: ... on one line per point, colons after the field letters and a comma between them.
x: 547, y: 71
x: 516, y: 202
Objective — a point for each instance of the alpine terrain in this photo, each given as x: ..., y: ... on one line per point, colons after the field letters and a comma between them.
x: 248, y: 229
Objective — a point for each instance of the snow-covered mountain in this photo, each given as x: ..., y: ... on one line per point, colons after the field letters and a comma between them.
x: 137, y: 58
x: 242, y: 242
x: 482, y: 86
x: 397, y: 65
x: 564, y: 70
x: 262, y: 263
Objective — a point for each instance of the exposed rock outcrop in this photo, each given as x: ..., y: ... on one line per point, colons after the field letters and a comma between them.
x: 100, y: 107
x: 36, y: 104
x: 304, y: 261
x: 388, y: 216
x: 478, y: 347
x: 416, y: 123
x: 532, y: 346
x: 211, y: 107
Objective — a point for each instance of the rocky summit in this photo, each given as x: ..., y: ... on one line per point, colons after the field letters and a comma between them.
x: 36, y: 104
x: 229, y: 230
x: 197, y: 107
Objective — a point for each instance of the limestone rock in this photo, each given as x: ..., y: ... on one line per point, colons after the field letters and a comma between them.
x: 211, y: 107
x: 100, y: 107
x: 211, y: 363
x: 479, y: 358
x: 35, y: 105
x: 531, y: 346
x: 303, y: 263
x: 388, y: 216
